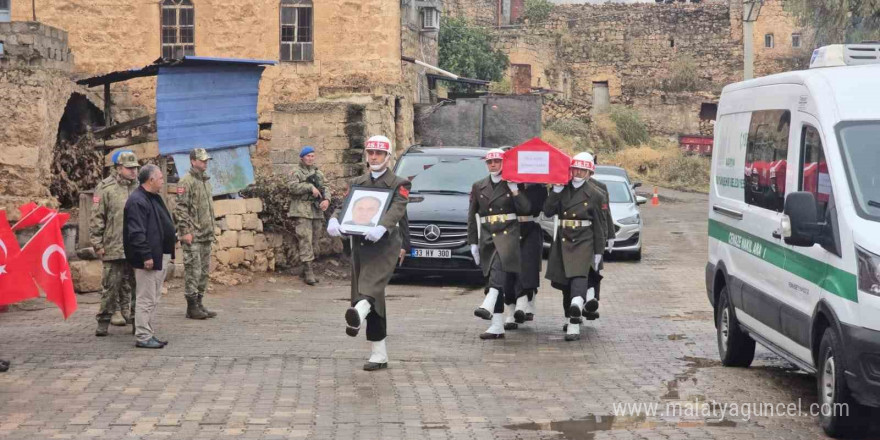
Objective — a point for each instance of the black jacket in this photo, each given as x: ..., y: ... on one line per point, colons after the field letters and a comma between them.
x: 148, y: 231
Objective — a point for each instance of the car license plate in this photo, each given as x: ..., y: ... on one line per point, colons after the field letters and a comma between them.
x: 432, y: 253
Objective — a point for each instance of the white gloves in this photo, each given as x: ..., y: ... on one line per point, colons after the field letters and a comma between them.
x: 558, y: 188
x: 597, y: 260
x: 610, y: 246
x: 512, y: 186
x: 333, y: 228
x: 475, y: 251
x: 375, y: 233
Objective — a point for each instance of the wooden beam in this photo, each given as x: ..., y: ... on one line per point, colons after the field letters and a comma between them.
x: 104, y: 132
x: 124, y: 142
x: 107, y: 106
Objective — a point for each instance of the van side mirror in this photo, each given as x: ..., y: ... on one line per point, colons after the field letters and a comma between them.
x: 636, y: 184
x: 802, y: 212
x: 641, y: 200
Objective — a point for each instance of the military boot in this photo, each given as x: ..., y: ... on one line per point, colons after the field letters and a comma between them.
x: 117, y: 319
x: 309, y: 275
x: 192, y: 309
x: 208, y: 313
x: 103, y: 326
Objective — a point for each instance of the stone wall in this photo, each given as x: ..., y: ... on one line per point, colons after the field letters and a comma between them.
x: 507, y: 120
x: 356, y: 43
x: 782, y: 57
x: 34, y: 90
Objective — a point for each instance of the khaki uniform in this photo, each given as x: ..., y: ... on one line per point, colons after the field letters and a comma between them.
x: 308, y: 217
x: 194, y: 214
x: 499, y: 237
x: 105, y: 233
x: 373, y: 263
x: 576, y: 244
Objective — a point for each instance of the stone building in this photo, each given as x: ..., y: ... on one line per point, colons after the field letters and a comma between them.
x: 668, y: 60
x: 331, y: 54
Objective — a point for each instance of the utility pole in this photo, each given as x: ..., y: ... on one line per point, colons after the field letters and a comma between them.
x: 751, y: 9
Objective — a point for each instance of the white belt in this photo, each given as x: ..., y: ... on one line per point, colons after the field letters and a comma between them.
x: 526, y: 218
x: 575, y: 223
x: 499, y: 218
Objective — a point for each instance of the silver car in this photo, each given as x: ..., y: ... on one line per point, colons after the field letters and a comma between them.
x: 624, y: 205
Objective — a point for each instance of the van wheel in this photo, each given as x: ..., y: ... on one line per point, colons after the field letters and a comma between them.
x: 839, y: 413
x: 736, y: 347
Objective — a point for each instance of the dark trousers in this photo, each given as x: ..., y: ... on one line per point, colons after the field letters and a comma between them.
x: 377, y: 325
x: 578, y: 286
x: 499, y: 279
x: 513, y: 289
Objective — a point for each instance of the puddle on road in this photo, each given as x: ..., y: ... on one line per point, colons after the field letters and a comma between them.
x: 676, y: 337
x: 694, y: 364
x: 586, y: 428
x: 699, y: 315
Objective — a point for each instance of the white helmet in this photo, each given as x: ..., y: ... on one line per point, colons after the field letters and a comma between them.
x: 495, y: 153
x: 583, y: 161
x: 379, y: 143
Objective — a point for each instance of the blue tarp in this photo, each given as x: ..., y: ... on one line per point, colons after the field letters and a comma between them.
x: 207, y: 102
x: 230, y: 169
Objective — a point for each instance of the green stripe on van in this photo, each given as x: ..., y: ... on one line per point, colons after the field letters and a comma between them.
x: 836, y: 281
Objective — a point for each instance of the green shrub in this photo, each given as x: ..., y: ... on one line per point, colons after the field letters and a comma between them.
x: 682, y: 77
x: 570, y: 127
x: 629, y: 125
x: 537, y: 11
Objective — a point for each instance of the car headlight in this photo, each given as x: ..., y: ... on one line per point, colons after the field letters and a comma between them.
x: 869, y: 271
x: 632, y: 220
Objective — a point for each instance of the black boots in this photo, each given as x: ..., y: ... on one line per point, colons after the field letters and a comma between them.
x: 207, y: 312
x: 193, y: 311
x: 102, y: 328
x: 309, y: 274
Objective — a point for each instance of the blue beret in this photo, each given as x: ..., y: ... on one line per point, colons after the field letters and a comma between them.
x: 306, y: 150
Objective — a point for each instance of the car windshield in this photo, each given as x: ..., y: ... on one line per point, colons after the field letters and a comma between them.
x: 618, y: 192
x: 612, y: 171
x: 442, y: 174
x: 860, y: 143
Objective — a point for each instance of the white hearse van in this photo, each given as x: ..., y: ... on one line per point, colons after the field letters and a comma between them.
x: 794, y: 226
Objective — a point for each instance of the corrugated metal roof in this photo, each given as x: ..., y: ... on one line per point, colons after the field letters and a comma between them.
x: 210, y: 104
x: 153, y: 69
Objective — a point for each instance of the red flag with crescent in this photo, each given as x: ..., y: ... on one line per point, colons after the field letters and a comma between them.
x: 15, y: 281
x: 46, y: 260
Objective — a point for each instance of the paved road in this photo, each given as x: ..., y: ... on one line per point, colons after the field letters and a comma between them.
x: 276, y: 363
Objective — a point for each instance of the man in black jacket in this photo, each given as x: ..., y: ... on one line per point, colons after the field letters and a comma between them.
x: 148, y: 236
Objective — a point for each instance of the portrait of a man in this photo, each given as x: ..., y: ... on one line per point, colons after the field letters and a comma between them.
x: 364, y: 210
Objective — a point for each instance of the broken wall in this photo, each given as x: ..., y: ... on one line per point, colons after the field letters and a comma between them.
x: 34, y: 89
x: 490, y: 122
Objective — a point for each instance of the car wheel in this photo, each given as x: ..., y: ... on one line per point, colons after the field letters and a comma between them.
x: 735, y: 347
x: 839, y: 413
x: 637, y: 255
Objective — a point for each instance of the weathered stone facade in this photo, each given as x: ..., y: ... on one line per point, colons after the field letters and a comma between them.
x: 35, y: 86
x: 666, y: 60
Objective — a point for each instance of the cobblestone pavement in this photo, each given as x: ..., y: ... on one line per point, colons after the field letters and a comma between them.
x: 276, y: 363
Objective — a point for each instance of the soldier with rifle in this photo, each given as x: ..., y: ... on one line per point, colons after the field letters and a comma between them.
x: 310, y: 200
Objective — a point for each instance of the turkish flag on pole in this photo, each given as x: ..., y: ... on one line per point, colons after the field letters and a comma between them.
x: 15, y: 280
x: 33, y: 217
x: 44, y: 256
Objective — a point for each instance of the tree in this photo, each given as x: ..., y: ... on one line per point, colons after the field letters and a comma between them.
x: 467, y: 51
x: 537, y: 11
x: 838, y: 21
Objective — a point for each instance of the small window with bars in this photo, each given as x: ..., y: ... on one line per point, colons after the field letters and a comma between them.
x: 768, y: 41
x: 296, y: 30
x: 5, y: 9
x: 795, y: 40
x: 430, y: 19
x: 178, y: 29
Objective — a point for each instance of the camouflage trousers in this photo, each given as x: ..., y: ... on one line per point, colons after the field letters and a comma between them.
x: 196, y: 264
x: 118, y: 290
x: 308, y: 231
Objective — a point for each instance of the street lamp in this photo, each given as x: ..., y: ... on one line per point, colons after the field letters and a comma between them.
x: 751, y: 9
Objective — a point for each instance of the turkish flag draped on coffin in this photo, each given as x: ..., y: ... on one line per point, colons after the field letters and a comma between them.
x: 536, y: 161
x: 44, y: 256
x: 15, y: 280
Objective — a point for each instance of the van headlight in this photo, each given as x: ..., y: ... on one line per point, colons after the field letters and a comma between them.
x: 631, y: 220
x: 869, y: 271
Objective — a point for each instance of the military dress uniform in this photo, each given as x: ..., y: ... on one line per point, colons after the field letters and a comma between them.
x: 526, y: 281
x: 307, y: 216
x: 194, y: 214
x: 498, y: 239
x: 373, y: 263
x: 579, y: 239
x: 105, y: 233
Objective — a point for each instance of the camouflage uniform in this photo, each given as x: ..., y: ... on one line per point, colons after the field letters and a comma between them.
x: 194, y: 214
x: 308, y: 217
x: 105, y: 233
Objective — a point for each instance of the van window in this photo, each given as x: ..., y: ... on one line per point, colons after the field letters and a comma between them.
x: 814, y: 168
x: 766, y: 163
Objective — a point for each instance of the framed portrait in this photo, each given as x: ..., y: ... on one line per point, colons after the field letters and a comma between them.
x: 362, y: 209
